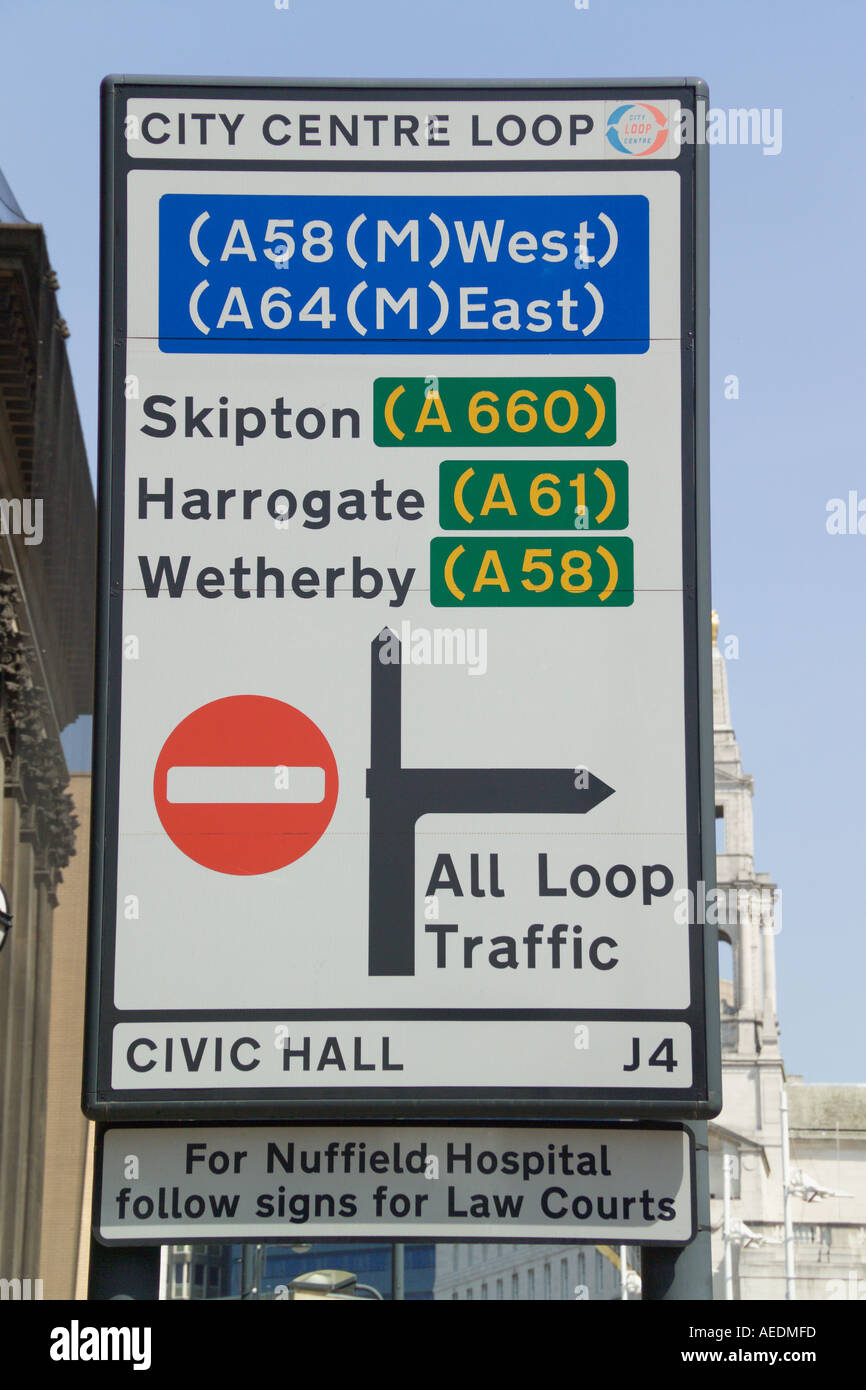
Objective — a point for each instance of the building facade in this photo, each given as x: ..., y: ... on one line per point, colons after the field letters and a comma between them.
x: 527, y: 1272
x: 826, y: 1123
x: 68, y: 1161
x: 47, y: 584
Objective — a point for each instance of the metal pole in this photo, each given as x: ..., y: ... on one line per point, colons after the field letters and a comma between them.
x: 685, y: 1272
x: 248, y: 1272
x: 790, y: 1269
x: 118, y: 1271
x: 727, y: 1164
x: 123, y: 1271
x: 398, y: 1272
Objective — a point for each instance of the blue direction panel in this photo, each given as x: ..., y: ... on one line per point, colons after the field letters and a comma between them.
x: 266, y: 274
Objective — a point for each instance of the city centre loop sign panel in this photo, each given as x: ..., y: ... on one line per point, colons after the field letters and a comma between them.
x: 404, y: 624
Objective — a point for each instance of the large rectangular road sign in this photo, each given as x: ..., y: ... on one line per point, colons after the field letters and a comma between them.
x: 404, y: 761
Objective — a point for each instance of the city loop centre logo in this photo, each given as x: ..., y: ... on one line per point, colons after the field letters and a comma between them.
x: 637, y: 129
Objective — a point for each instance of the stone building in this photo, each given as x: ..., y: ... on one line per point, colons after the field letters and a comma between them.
x: 68, y: 1159
x: 827, y: 1123
x: 525, y: 1273
x: 47, y: 581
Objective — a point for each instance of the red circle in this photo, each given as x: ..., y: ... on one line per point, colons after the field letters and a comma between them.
x: 245, y: 837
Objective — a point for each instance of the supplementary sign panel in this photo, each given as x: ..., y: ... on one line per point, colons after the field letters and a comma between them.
x: 401, y: 692
x: 417, y: 1183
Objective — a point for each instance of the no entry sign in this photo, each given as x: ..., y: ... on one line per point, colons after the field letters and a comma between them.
x: 245, y: 785
x: 404, y: 771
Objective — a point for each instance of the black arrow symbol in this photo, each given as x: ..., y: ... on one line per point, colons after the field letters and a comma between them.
x: 399, y: 796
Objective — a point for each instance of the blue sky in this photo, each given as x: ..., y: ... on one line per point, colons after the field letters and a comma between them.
x: 787, y: 308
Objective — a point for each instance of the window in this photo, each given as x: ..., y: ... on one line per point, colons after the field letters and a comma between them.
x: 530, y: 1284
x: 419, y: 1257
x: 810, y: 1234
x: 717, y: 1172
x: 720, y: 830
x: 599, y: 1270
x: 500, y: 1291
x: 547, y: 1289
x: 564, y: 1290
x: 483, y: 1290
x: 581, y: 1268
x: 515, y: 1286
x: 468, y: 1293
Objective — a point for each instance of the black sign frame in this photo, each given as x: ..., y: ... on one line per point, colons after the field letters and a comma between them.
x: 395, y: 1105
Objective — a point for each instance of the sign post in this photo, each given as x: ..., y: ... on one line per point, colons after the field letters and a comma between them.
x: 404, y: 747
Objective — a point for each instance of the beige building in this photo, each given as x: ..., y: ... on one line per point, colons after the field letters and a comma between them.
x: 47, y: 565
x: 68, y: 1175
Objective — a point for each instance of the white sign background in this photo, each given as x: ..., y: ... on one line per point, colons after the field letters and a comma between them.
x: 529, y: 1184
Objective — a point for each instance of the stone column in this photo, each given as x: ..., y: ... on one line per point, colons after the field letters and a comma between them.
x: 745, y: 971
x: 43, y: 922
x: 15, y: 1045
x: 768, y: 935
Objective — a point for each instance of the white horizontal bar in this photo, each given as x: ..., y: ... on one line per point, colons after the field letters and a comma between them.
x: 271, y: 785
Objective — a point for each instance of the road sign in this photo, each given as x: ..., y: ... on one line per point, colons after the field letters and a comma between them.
x: 403, y: 739
x: 418, y: 1183
x: 245, y: 785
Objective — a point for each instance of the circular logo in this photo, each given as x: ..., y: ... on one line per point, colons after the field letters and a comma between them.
x: 637, y: 130
x: 245, y: 785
